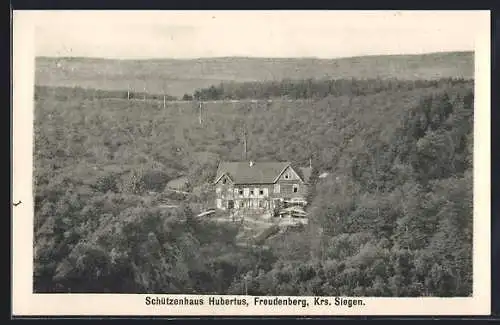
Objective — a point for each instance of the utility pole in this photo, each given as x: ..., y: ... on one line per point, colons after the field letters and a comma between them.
x: 200, y: 109
x: 245, y: 144
x: 165, y: 92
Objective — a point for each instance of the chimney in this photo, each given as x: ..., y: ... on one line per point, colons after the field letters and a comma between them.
x: 251, y: 163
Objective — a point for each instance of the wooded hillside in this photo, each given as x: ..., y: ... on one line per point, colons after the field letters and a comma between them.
x: 393, y: 219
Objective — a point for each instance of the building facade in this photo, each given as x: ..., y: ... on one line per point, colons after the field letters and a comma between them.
x: 260, y: 185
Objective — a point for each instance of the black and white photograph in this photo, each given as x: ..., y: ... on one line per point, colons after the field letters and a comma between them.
x: 249, y: 159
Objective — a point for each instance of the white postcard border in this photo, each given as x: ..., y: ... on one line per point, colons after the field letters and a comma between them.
x: 26, y: 303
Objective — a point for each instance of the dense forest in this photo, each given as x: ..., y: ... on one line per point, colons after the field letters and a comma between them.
x: 66, y: 93
x: 314, y: 88
x: 394, y: 217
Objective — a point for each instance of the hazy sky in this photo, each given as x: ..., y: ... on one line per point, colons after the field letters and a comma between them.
x: 192, y: 34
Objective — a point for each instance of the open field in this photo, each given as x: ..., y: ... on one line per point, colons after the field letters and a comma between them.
x: 177, y: 77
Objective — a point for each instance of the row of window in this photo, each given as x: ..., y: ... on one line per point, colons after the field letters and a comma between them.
x: 246, y: 191
x: 253, y: 203
x: 257, y: 191
x: 230, y: 204
x: 250, y: 191
x: 248, y: 204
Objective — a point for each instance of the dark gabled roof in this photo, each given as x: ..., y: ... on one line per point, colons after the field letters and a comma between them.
x: 259, y: 173
x: 305, y: 173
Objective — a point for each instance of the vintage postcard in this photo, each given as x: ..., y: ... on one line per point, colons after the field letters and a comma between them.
x: 233, y: 163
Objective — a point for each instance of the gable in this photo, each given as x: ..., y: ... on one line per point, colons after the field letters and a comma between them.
x: 224, y: 179
x: 289, y: 174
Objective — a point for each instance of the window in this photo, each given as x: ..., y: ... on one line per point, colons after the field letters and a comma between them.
x: 295, y: 188
x: 276, y: 188
x: 261, y: 192
x: 217, y: 190
x: 251, y: 192
x: 261, y: 204
x: 242, y: 204
x: 224, y: 181
x: 287, y: 176
x: 241, y: 192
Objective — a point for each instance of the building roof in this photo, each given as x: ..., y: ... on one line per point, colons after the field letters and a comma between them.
x: 258, y: 173
x: 202, y: 214
x: 294, y: 210
x: 323, y: 175
x: 305, y: 173
x: 178, y: 182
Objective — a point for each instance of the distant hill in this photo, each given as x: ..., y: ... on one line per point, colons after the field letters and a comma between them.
x: 177, y: 77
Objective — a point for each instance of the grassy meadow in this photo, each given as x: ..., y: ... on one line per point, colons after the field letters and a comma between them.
x: 178, y: 77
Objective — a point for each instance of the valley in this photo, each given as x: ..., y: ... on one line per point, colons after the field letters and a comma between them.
x: 122, y: 186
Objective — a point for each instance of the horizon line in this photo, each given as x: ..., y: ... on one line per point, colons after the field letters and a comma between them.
x: 249, y: 57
